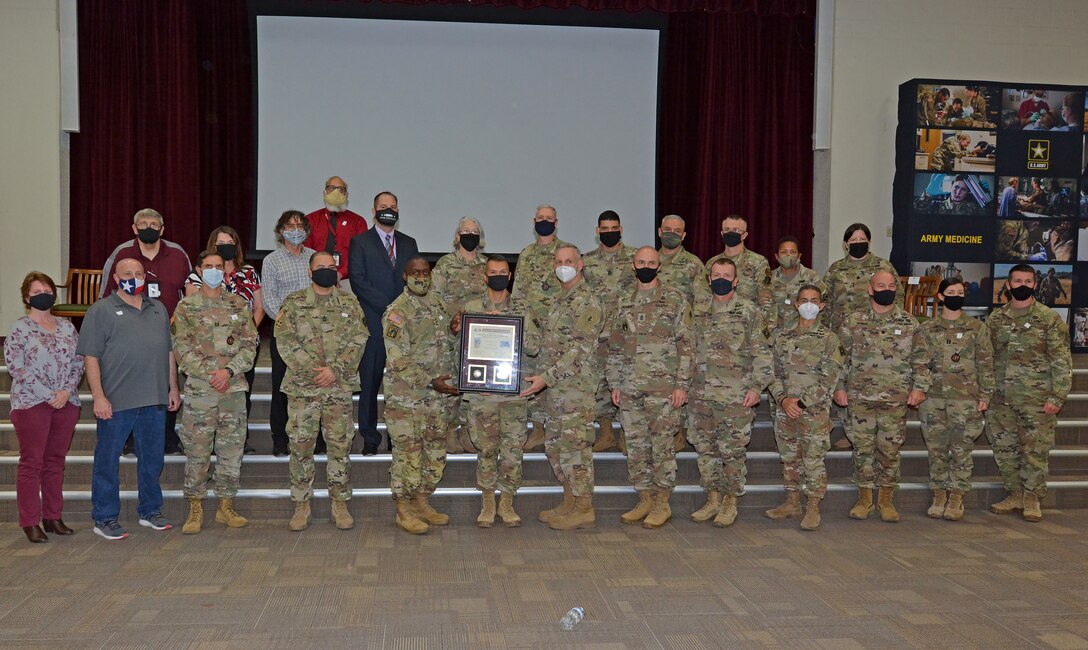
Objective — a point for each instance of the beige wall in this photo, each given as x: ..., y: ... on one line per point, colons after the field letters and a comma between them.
x: 879, y: 44
x: 30, y: 144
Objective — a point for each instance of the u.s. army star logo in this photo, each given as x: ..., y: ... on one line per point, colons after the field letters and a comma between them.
x: 1039, y: 154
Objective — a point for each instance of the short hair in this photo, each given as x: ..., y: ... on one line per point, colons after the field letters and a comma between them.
x: 329, y: 179
x: 31, y: 278
x: 239, y: 255
x: 854, y: 227
x: 788, y: 239
x: 973, y: 89
x: 810, y: 287
x: 314, y: 255
x: 723, y: 261
x: 547, y: 206
x: 1022, y: 268
x: 380, y: 194
x: 148, y: 212
x: 675, y: 217
x: 285, y: 218
x: 577, y: 251
x: 457, y: 232
x: 205, y: 254
x: 608, y: 215
x: 498, y: 259
x: 950, y: 282
x: 411, y: 260
x: 736, y: 217
x: 944, y: 91
x: 957, y: 100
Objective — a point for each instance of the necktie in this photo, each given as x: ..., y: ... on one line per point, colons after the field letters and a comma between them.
x: 390, y: 248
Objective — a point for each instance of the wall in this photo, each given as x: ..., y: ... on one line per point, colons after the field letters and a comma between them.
x: 882, y: 43
x: 30, y: 167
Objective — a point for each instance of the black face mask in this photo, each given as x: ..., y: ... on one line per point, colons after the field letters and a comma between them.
x: 387, y: 217
x: 498, y: 282
x: 884, y: 298
x: 610, y: 238
x: 1023, y: 292
x: 859, y: 249
x: 469, y: 241
x: 721, y: 286
x: 42, y: 301
x: 324, y: 277
x: 731, y: 239
x: 227, y: 251
x: 148, y: 235
x: 955, y: 303
x: 544, y: 228
x: 645, y: 274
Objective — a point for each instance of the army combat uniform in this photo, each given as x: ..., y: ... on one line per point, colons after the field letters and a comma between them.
x: 946, y: 154
x: 847, y: 282
x: 1032, y: 367
x: 609, y: 274
x: 683, y: 270
x: 756, y: 286
x: 783, y: 313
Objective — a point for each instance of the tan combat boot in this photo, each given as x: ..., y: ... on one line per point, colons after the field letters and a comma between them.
x: 885, y: 505
x: 509, y: 516
x: 196, y: 516
x: 427, y: 513
x: 864, y: 507
x: 621, y: 441
x: 226, y: 514
x: 940, y: 500
x: 661, y: 512
x: 301, y: 519
x: 1032, y: 510
x: 710, y: 509
x: 791, y: 507
x: 843, y: 444
x: 681, y: 441
x: 728, y: 513
x: 487, y: 510
x: 453, y: 443
x: 606, y: 439
x: 811, y: 520
x: 535, y: 441
x: 565, y: 506
x: 580, y: 516
x: 642, y: 508
x: 407, y: 519
x: 466, y: 441
x: 340, y: 515
x: 954, y: 510
x: 1013, y: 502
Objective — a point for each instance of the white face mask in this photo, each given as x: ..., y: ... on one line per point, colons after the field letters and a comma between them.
x: 808, y: 310
x: 566, y: 273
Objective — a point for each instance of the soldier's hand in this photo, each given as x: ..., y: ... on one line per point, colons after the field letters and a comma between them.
x: 616, y: 397
x: 1050, y: 409
x: 789, y: 405
x: 103, y: 410
x: 982, y: 406
x: 442, y: 385
x: 173, y: 400
x: 751, y: 399
x: 455, y: 322
x: 219, y: 380
x: 915, y: 398
x: 324, y: 377
x: 840, y: 398
x: 536, y: 384
x: 679, y: 398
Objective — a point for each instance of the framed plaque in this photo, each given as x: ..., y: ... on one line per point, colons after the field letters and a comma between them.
x: 491, y: 353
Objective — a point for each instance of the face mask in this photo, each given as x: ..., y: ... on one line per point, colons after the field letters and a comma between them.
x: 148, y: 235
x: 645, y: 275
x: 498, y: 282
x: 808, y: 310
x: 670, y: 240
x: 787, y: 261
x: 1023, y: 292
x: 731, y: 239
x: 212, y: 278
x: 721, y: 286
x: 1036, y: 99
x: 544, y: 228
x: 859, y: 249
x: 294, y: 237
x: 610, y: 238
x: 468, y: 241
x: 419, y: 286
x: 566, y: 273
x: 387, y: 217
x: 336, y: 198
x: 42, y: 301
x: 884, y: 298
x: 955, y: 303
x: 227, y: 251
x: 324, y: 277
x: 132, y: 286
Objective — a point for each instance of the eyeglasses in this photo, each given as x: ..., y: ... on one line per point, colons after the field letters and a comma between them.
x: 739, y: 231
x: 329, y: 188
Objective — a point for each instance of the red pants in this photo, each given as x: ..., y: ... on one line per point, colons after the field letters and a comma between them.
x: 44, y: 433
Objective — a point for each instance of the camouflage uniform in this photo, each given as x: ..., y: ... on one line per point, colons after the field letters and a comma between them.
x: 314, y: 331
x: 1032, y: 367
x: 499, y: 423
x: 946, y: 154
x: 535, y: 282
x: 1013, y: 240
x: 651, y: 353
x: 609, y: 274
x: 1049, y: 289
x: 682, y: 270
x: 756, y: 286
x: 456, y: 279
x: 418, y: 348
x: 963, y: 375
x: 927, y: 108
x: 979, y: 118
x: 886, y: 357
x: 847, y: 282
x: 732, y: 357
x: 782, y: 313
x: 568, y: 364
x: 210, y: 334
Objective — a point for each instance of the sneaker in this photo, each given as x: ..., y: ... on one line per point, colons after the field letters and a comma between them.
x: 110, y: 529
x: 156, y: 521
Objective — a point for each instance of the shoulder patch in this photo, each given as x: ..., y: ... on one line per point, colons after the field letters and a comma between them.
x: 395, y: 318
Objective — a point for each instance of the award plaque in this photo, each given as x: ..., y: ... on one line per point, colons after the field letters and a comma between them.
x: 491, y: 353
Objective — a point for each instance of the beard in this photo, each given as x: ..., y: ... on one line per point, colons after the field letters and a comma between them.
x: 336, y: 202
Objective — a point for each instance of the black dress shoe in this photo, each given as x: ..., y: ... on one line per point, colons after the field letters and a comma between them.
x: 320, y: 447
x: 370, y: 450
x: 57, y: 527
x: 129, y: 451
x: 171, y: 450
x: 35, y: 534
x: 247, y: 450
x: 280, y: 452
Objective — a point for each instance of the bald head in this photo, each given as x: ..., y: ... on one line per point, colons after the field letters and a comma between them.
x: 646, y: 257
x: 881, y: 280
x: 129, y: 267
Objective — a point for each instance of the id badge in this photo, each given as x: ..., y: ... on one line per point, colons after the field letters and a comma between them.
x: 336, y: 258
x: 153, y: 289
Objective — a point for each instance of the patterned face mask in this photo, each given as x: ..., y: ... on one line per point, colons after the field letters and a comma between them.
x: 419, y: 286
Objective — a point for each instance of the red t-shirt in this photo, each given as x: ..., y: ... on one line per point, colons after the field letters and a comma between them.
x: 165, y: 275
x: 348, y: 224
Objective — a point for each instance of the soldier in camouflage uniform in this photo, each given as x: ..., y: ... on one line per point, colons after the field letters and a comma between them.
x: 1033, y: 371
x: 651, y: 363
x: 752, y: 267
x: 807, y: 367
x: 733, y: 367
x: 215, y: 343
x: 790, y: 276
x: 927, y: 104
x: 1050, y: 288
x: 321, y: 333
x: 608, y: 272
x: 886, y: 369
x: 977, y: 103
x: 499, y: 421
x: 457, y: 277
x: 535, y: 282
x: 948, y: 152
x: 963, y: 384
x: 568, y: 369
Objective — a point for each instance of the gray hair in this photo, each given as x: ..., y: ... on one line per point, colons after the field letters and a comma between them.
x: 577, y: 251
x: 549, y: 206
x: 148, y: 212
x: 676, y: 217
x: 457, y: 232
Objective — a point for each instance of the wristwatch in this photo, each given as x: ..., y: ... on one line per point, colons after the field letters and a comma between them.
x: 230, y: 371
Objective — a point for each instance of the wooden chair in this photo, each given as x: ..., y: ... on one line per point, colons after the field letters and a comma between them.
x: 81, y: 290
x: 921, y: 298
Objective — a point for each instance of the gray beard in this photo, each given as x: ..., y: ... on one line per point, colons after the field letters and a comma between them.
x: 336, y: 208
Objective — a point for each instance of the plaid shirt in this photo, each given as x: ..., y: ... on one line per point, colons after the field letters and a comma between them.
x: 284, y: 274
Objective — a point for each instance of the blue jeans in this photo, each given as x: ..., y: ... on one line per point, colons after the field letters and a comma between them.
x: 146, y: 424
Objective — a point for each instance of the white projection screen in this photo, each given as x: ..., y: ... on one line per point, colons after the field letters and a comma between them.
x: 459, y: 119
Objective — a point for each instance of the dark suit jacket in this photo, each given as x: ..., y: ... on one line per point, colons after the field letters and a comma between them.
x: 375, y: 281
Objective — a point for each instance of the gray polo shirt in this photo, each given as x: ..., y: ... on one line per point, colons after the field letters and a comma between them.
x: 133, y: 350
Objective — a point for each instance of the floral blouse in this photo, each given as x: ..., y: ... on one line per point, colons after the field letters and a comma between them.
x: 41, y: 362
x: 244, y: 282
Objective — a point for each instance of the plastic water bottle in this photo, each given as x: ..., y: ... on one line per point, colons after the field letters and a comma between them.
x: 572, y: 618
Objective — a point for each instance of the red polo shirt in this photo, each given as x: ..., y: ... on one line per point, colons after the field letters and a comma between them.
x: 169, y: 269
x: 348, y: 224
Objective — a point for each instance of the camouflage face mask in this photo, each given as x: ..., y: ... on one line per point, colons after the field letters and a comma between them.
x: 419, y: 286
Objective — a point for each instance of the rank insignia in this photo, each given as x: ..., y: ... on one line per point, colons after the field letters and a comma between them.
x: 230, y: 340
x: 956, y: 357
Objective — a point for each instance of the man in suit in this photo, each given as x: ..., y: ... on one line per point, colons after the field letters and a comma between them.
x: 376, y: 262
